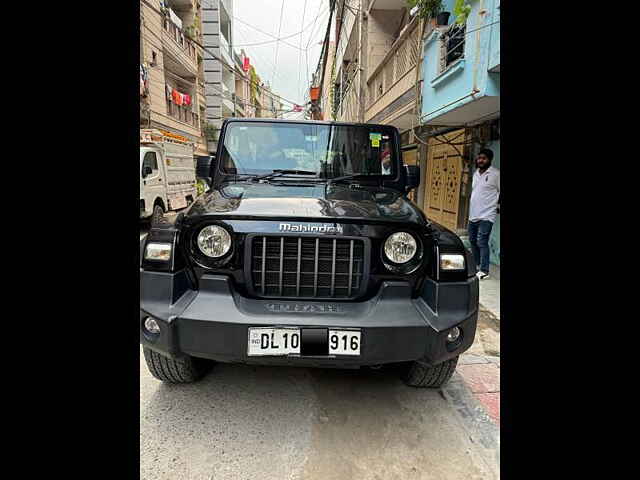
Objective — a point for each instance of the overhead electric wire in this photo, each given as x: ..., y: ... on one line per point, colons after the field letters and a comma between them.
x: 306, y: 49
x: 275, y: 67
x: 304, y: 11
x: 314, y: 23
x: 255, y: 55
x: 320, y: 13
x: 285, y: 37
x: 325, y: 44
x: 262, y: 31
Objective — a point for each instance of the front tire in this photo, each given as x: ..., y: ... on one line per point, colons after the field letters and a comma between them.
x: 158, y: 214
x: 169, y: 370
x: 419, y: 375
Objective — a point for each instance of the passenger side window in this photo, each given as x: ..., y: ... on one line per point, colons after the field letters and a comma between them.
x: 150, y: 160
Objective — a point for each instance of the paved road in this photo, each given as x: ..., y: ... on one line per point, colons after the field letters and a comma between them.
x: 243, y: 422
x: 264, y: 423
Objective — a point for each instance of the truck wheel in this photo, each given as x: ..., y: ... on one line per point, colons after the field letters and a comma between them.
x: 185, y: 370
x: 416, y: 374
x: 158, y: 214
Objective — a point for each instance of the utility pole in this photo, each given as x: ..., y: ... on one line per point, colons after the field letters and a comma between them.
x: 362, y: 62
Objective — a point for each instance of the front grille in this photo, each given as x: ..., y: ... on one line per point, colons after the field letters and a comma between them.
x: 307, y: 267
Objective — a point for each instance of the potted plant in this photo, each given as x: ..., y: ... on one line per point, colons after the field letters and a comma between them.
x: 442, y: 19
x: 430, y: 9
x: 461, y: 10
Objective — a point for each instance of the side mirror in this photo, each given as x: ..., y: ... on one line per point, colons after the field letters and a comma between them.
x: 413, y: 177
x: 205, y: 166
x: 146, y: 171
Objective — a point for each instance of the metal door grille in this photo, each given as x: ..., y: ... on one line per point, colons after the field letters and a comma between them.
x: 307, y: 267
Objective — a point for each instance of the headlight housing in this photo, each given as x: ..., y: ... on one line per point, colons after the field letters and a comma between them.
x: 400, y: 247
x: 158, y: 251
x: 452, y: 262
x: 214, y: 241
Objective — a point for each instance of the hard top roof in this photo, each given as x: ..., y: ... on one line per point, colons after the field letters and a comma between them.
x: 305, y: 122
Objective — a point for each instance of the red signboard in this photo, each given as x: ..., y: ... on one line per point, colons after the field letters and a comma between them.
x: 245, y: 64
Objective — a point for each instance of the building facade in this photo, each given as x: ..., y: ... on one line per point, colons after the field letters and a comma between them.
x: 190, y: 76
x: 219, y: 66
x: 242, y: 98
x: 171, y: 87
x: 461, y: 97
x: 272, y: 103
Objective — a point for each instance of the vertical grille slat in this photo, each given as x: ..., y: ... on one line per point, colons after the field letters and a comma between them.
x: 315, y: 272
x: 298, y: 269
x: 264, y: 260
x: 305, y: 266
x: 281, y: 262
x: 350, y: 266
x: 333, y: 268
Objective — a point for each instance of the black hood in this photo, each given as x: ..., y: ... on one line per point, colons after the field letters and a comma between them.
x: 313, y: 201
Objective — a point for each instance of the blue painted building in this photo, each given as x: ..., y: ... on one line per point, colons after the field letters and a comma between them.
x: 461, y: 82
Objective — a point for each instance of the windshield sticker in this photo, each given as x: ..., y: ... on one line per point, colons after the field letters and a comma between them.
x: 375, y: 139
x: 310, y: 138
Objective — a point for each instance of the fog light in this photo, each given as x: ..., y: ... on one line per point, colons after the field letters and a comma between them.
x: 151, y: 325
x: 453, y: 335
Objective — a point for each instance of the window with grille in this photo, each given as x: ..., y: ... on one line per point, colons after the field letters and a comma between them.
x: 452, y: 47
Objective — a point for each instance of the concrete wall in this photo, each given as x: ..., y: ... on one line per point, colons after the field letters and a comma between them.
x: 381, y: 25
x: 494, y: 46
x: 444, y: 92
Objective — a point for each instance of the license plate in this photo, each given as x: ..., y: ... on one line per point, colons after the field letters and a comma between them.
x: 344, y: 342
x: 274, y: 341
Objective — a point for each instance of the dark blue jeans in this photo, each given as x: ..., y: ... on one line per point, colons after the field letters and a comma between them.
x: 479, y: 233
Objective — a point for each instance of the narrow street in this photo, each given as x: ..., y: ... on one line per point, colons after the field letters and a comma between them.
x: 298, y: 115
x: 296, y: 423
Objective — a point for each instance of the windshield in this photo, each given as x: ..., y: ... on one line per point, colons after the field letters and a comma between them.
x: 328, y: 150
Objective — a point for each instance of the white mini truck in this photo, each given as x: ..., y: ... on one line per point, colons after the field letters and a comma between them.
x: 167, y: 173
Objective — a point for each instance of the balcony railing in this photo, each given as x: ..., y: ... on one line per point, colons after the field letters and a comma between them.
x: 399, y: 61
x: 183, y: 114
x: 181, y: 40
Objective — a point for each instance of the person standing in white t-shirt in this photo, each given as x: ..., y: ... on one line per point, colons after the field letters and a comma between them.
x: 485, y: 205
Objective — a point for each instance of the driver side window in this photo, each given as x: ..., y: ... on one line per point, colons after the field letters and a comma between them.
x: 151, y: 161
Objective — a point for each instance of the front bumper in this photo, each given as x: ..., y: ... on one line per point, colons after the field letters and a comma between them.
x: 213, y: 321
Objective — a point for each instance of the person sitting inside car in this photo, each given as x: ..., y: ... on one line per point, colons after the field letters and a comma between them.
x: 385, y: 159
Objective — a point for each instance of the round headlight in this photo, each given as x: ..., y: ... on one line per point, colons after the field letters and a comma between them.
x: 214, y: 241
x: 400, y: 247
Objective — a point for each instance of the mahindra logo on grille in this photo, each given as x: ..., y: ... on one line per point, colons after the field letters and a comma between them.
x: 304, y: 307
x: 300, y: 228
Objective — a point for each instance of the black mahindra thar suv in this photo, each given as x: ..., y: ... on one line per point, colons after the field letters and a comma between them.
x: 306, y: 251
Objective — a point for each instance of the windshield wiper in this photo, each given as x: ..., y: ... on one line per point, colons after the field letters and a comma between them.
x: 280, y: 172
x: 344, y: 177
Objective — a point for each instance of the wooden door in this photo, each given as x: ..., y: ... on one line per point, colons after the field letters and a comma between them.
x: 444, y: 176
